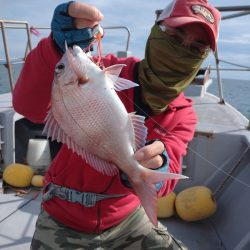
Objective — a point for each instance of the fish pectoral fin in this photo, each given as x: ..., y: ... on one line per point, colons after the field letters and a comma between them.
x: 113, y: 73
x: 140, y: 130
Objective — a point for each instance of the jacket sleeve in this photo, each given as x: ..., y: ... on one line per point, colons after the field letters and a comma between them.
x: 176, y: 141
x: 32, y: 92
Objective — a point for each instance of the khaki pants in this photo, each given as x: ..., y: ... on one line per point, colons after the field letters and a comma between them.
x: 135, y: 232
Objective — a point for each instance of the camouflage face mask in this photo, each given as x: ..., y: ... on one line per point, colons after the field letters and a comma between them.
x: 168, y: 68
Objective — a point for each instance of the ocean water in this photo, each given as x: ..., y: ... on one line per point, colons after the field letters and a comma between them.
x: 236, y: 92
x: 4, y: 77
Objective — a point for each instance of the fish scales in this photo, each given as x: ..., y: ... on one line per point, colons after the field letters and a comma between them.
x: 95, y: 130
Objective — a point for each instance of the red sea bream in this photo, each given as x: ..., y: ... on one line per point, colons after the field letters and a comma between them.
x: 87, y: 115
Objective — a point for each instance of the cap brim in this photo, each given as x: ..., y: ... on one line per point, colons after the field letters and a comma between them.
x: 175, y: 22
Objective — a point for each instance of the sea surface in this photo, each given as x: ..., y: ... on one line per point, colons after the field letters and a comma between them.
x: 236, y: 92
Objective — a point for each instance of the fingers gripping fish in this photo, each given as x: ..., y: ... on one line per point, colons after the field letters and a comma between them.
x: 88, y: 116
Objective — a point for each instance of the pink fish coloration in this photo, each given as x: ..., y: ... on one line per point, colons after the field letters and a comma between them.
x: 88, y: 116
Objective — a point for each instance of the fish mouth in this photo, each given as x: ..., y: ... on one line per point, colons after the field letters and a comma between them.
x: 78, y: 62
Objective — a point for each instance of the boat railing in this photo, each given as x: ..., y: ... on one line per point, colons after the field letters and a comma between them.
x: 241, y: 11
x: 8, y: 62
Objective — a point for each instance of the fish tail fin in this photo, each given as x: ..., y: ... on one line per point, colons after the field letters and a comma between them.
x: 148, y: 197
x: 146, y: 190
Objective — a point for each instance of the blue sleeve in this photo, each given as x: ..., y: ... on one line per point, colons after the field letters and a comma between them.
x: 62, y: 26
x: 163, y: 168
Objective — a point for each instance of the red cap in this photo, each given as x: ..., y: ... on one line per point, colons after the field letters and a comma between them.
x: 182, y: 12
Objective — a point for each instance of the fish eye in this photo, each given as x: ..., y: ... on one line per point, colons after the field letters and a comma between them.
x: 59, y: 68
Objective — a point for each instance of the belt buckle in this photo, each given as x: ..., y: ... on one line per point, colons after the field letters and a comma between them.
x: 89, y: 199
x: 86, y: 199
x: 62, y: 194
x: 75, y: 196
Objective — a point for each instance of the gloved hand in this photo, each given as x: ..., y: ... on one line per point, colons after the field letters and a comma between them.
x: 152, y: 160
x: 73, y: 22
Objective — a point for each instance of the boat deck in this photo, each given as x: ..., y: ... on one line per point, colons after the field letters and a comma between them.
x: 18, y: 217
x: 17, y: 220
x: 217, y: 118
x: 196, y: 235
x: 5, y: 101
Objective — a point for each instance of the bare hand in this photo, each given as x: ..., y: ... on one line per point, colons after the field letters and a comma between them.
x: 85, y: 15
x: 150, y: 156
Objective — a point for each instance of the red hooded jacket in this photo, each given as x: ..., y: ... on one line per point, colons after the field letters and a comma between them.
x: 31, y: 98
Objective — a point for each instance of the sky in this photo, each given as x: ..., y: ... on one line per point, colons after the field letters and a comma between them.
x: 138, y: 16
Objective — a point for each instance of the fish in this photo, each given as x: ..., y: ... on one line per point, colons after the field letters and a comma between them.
x: 88, y: 116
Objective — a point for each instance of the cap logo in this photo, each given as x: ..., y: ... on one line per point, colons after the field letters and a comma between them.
x: 198, y: 9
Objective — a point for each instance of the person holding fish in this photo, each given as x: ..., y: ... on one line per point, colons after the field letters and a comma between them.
x: 124, y: 124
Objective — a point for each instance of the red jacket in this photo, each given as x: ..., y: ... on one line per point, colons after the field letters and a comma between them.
x: 31, y: 98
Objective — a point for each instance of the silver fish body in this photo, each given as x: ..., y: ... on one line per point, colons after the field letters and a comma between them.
x: 87, y: 115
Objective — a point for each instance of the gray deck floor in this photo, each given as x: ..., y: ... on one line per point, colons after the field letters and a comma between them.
x: 18, y: 217
x: 195, y: 235
x: 17, y: 220
x: 218, y: 118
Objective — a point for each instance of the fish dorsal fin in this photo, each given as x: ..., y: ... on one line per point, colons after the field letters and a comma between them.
x: 102, y: 166
x: 140, y: 130
x: 122, y: 84
x: 113, y: 73
x: 53, y: 130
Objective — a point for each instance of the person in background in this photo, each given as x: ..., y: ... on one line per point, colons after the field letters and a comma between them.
x: 181, y: 38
